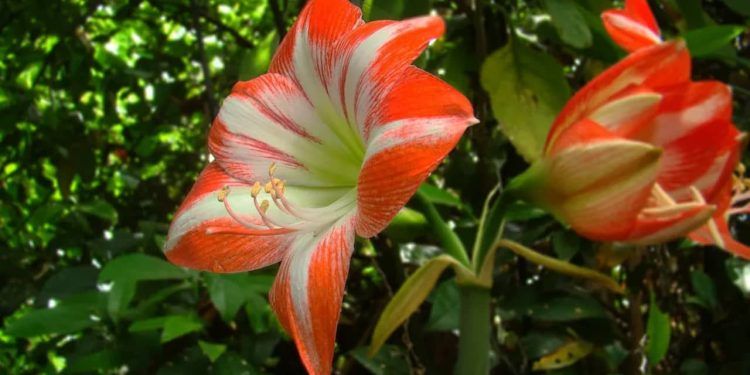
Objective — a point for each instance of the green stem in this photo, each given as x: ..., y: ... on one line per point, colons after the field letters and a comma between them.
x: 475, y: 329
x: 448, y: 238
x: 560, y: 266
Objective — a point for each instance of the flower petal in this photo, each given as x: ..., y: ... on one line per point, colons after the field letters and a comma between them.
x: 652, y: 68
x: 313, y: 37
x: 269, y: 120
x: 725, y: 239
x: 599, y: 188
x: 650, y: 231
x: 373, y: 59
x: 410, y: 136
x: 190, y: 243
x: 309, y: 289
x: 634, y: 27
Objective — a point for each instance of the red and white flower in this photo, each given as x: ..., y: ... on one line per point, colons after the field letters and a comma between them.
x: 330, y: 144
x: 641, y: 154
x: 635, y: 28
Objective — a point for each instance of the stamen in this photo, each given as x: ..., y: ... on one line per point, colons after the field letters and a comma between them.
x: 697, y: 195
x: 672, y: 210
x: 255, y: 190
x: 222, y: 194
x: 662, y: 197
x: 715, y: 234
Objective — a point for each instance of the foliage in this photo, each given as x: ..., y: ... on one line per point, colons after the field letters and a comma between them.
x: 106, y: 105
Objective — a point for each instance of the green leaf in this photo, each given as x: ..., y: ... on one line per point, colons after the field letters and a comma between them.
x: 440, y: 196
x: 527, y: 89
x: 706, y: 41
x: 390, y: 360
x: 406, y: 225
x: 569, y: 22
x: 137, y: 267
x: 658, y: 331
x: 408, y: 298
x: 119, y: 298
x: 148, y: 324
x: 179, y: 325
x: 211, y: 350
x: 255, y: 61
x: 101, y: 209
x: 227, y: 294
x: 58, y: 320
x: 444, y: 315
x: 566, y: 244
x: 538, y: 344
x: 566, y: 308
x: 564, y: 356
x: 705, y: 289
x: 740, y: 6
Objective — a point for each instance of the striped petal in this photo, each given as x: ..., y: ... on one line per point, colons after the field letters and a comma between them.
x: 269, y: 120
x: 717, y: 233
x: 309, y: 289
x: 599, y: 188
x: 652, y: 68
x: 634, y: 27
x: 192, y: 240
x: 410, y: 137
x: 654, y: 230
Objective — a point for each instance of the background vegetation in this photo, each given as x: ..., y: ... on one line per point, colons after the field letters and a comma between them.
x: 105, y: 105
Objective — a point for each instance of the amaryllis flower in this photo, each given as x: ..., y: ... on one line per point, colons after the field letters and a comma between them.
x: 332, y: 142
x: 641, y: 154
x: 635, y: 28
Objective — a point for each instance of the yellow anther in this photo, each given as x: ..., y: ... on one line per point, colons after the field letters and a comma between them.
x: 264, y: 206
x: 255, y: 190
x: 275, y: 181
x: 272, y: 169
x: 269, y: 187
x: 222, y: 194
x: 280, y: 188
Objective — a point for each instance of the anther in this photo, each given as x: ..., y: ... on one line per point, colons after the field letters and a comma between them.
x: 272, y: 169
x: 269, y: 187
x: 222, y: 194
x: 264, y: 206
x: 255, y: 190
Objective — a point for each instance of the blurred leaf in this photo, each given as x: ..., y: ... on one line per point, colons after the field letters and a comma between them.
x: 180, y: 325
x: 527, y: 89
x: 101, y: 209
x: 58, y: 320
x: 705, y: 289
x: 227, y: 294
x: 566, y: 244
x: 564, y: 356
x: 92, y: 363
x: 407, y: 299
x: 538, y: 344
x: 569, y: 22
x: 658, y: 331
x: 566, y: 308
x: 232, y: 364
x: 137, y: 267
x: 120, y: 295
x: 705, y: 41
x: 406, y: 225
x: 444, y: 315
x: 440, y: 196
x: 522, y: 211
x: 693, y: 13
x: 740, y: 6
x: 211, y: 350
x: 148, y: 324
x: 389, y: 360
x: 255, y: 61
x: 67, y: 282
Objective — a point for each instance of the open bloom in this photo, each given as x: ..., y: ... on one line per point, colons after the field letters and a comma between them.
x: 635, y: 28
x: 332, y: 142
x: 641, y: 154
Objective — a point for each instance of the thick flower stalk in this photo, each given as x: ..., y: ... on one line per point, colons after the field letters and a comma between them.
x: 641, y: 154
x: 330, y: 144
x: 635, y: 28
